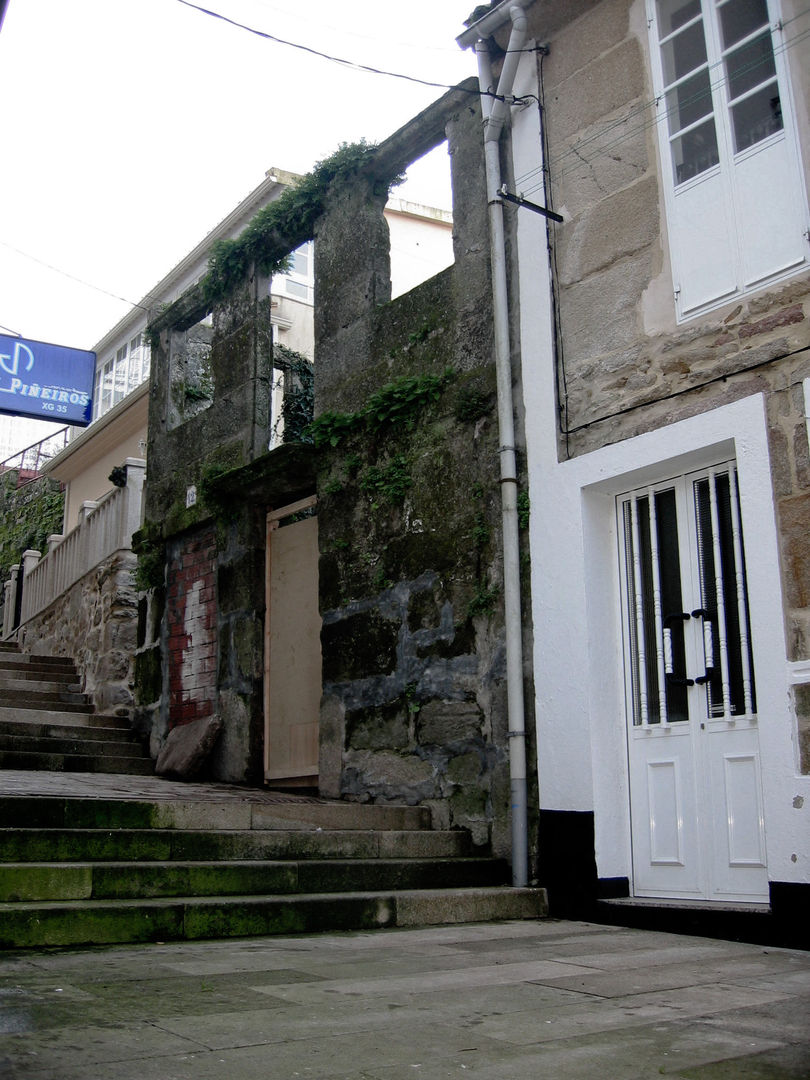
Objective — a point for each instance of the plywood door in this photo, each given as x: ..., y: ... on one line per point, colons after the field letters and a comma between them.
x: 293, y: 652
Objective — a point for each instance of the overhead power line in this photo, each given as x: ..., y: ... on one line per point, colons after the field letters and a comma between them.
x: 335, y: 59
x: 314, y: 52
x: 67, y: 274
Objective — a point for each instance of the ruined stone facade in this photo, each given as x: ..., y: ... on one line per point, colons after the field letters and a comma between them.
x: 409, y: 510
x: 408, y: 506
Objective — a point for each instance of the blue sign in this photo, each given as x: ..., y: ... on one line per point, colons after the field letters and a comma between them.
x: 46, y: 382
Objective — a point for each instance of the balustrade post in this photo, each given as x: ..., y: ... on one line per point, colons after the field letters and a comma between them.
x: 132, y: 518
x: 9, y: 596
x: 30, y: 559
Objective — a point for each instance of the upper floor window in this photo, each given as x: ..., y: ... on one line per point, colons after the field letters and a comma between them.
x: 736, y: 207
x: 299, y: 281
x: 120, y: 373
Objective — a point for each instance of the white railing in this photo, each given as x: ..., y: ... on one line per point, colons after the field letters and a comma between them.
x: 107, y: 526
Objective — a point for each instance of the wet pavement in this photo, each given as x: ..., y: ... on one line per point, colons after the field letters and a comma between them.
x: 500, y: 1001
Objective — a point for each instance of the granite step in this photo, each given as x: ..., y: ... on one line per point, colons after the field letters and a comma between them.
x: 116, y: 731
x: 26, y: 882
x: 74, y: 744
x: 198, y: 845
x: 135, y: 764
x: 32, y: 925
x: 252, y: 809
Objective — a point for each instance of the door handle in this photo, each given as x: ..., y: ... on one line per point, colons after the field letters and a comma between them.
x: 708, y: 643
x: 676, y: 680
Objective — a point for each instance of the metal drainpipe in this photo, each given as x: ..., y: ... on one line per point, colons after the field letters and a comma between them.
x: 495, y: 114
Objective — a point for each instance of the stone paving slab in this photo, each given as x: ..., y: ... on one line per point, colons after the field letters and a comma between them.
x: 483, y: 1000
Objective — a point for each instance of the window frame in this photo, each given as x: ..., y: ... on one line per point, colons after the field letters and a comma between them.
x: 725, y: 171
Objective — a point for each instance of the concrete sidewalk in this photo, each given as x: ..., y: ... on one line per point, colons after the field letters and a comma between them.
x: 504, y: 1001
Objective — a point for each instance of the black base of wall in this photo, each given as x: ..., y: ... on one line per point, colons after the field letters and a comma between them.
x: 567, y: 869
x: 566, y: 863
x: 784, y: 924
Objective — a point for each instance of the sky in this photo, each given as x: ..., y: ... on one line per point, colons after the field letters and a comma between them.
x: 130, y: 128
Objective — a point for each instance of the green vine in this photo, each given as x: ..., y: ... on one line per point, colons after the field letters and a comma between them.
x: 523, y: 509
x: 389, y: 482
x: 399, y: 402
x: 295, y: 212
x: 299, y: 396
x: 28, y: 516
x: 483, y: 602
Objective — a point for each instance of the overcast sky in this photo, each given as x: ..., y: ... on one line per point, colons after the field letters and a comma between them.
x: 131, y: 127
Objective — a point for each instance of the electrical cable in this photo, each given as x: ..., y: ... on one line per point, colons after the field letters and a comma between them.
x: 316, y: 52
x: 337, y: 59
x: 67, y: 274
x: 575, y: 152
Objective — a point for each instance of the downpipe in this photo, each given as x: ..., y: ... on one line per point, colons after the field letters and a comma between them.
x: 495, y: 115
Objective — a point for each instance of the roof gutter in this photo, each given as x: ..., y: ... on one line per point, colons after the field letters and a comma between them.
x: 496, y: 114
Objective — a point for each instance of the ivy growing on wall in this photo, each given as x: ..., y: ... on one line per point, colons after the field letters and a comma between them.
x: 299, y: 393
x: 399, y: 402
x: 28, y: 516
x: 261, y: 243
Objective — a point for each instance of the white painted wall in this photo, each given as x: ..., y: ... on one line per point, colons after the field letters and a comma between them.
x: 575, y: 580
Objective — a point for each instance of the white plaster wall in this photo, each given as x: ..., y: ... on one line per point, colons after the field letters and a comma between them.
x: 421, y: 243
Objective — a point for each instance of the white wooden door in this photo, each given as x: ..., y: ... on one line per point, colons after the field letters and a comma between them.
x: 696, y: 811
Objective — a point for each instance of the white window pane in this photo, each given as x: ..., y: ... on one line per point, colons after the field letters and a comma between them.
x: 683, y: 53
x: 689, y: 102
x: 739, y: 18
x: 694, y: 152
x: 674, y: 13
x: 296, y: 288
x: 750, y: 65
x: 756, y: 117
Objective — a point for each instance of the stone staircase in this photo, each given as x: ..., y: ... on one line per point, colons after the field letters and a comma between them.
x: 77, y: 871
x: 47, y: 723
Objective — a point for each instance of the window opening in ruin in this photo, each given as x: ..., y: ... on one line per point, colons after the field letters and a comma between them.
x: 420, y: 222
x: 191, y: 379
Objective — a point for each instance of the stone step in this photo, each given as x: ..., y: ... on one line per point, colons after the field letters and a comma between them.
x: 134, y: 765
x: 117, y: 731
x: 28, y: 662
x: 76, y: 744
x: 26, y: 882
x: 39, y: 686
x: 70, y: 715
x: 27, y: 703
x: 185, y: 845
x: 190, y: 814
x: 31, y: 925
x: 54, y: 699
x: 28, y: 676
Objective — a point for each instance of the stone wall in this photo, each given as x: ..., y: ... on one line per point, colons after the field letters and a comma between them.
x: 625, y: 366
x: 414, y: 703
x: 95, y: 624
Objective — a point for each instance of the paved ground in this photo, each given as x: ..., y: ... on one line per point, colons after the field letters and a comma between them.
x: 508, y: 1001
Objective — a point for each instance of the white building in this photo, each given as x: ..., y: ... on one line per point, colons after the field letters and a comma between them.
x: 665, y: 357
